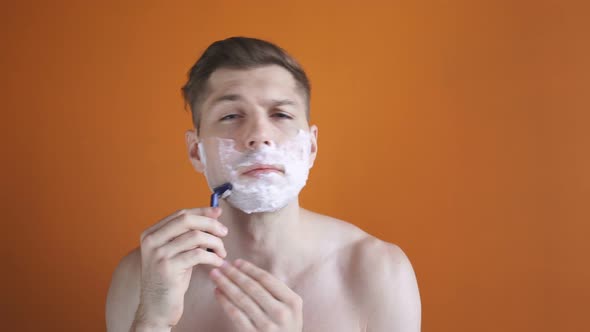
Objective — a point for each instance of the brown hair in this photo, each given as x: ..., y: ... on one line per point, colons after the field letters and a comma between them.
x: 238, y: 53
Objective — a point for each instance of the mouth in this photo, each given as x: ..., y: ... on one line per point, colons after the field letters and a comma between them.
x: 260, y: 169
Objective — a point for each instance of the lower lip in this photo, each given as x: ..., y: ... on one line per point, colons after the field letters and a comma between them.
x: 262, y: 171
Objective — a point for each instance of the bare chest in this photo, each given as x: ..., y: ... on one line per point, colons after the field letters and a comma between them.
x: 327, y: 306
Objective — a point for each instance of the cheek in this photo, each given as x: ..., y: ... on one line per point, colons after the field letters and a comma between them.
x: 221, y: 156
x: 300, y: 147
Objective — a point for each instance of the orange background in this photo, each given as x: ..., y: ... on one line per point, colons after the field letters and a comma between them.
x: 458, y: 130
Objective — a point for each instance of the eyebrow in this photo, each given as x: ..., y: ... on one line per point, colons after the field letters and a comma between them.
x: 236, y: 97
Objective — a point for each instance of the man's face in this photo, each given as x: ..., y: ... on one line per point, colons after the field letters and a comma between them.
x: 251, y: 106
x: 246, y: 112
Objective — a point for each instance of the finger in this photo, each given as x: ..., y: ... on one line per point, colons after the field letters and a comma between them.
x: 237, y: 316
x: 191, y: 240
x: 181, y: 225
x: 190, y: 258
x: 210, y: 212
x: 251, y: 287
x: 276, y: 287
x: 240, y: 299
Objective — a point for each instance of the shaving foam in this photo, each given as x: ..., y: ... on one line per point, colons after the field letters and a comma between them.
x: 267, y: 192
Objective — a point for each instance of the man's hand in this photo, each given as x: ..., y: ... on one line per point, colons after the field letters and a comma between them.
x: 255, y: 300
x: 169, y: 251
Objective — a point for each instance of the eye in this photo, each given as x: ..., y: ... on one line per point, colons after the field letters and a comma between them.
x: 282, y: 115
x: 229, y: 117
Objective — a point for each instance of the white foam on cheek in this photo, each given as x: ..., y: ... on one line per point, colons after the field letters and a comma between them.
x: 272, y: 191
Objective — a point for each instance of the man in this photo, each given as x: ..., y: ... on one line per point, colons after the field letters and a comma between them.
x: 259, y: 262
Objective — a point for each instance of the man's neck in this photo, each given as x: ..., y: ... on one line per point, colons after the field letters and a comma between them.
x: 273, y: 241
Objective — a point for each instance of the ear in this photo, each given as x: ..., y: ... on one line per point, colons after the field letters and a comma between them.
x: 313, y: 130
x: 194, y: 155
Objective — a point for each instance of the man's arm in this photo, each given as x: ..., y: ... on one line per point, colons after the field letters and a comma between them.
x: 391, y: 296
x: 123, y: 296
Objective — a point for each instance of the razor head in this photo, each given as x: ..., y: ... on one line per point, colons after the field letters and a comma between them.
x: 222, y: 191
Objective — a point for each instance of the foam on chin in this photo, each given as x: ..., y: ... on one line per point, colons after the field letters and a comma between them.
x: 266, y: 192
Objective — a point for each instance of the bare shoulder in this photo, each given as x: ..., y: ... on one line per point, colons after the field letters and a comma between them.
x: 379, y: 262
x: 331, y: 230
x: 363, y: 248
x: 378, y: 275
x: 384, y: 283
x: 368, y: 258
x: 123, y: 295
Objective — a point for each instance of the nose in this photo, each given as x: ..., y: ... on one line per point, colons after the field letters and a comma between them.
x: 259, y: 133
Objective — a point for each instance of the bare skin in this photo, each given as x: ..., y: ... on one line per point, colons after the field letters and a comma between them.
x: 337, y: 283
x: 300, y: 271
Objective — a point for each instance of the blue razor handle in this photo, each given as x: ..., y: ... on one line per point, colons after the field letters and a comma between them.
x: 221, y: 191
